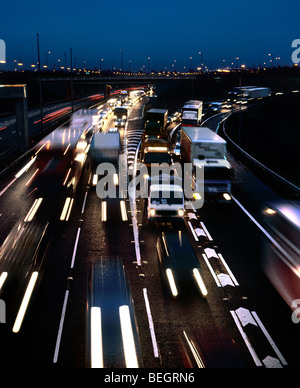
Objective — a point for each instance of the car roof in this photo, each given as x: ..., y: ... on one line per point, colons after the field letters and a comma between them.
x: 180, y: 252
x: 165, y: 187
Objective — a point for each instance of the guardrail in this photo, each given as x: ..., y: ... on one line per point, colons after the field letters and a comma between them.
x: 276, y: 181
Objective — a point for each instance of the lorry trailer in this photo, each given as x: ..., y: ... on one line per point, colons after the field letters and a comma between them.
x: 203, y: 148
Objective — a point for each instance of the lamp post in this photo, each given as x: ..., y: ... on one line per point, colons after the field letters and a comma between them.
x: 121, y: 60
x: 40, y: 83
x: 271, y: 59
x: 201, y: 64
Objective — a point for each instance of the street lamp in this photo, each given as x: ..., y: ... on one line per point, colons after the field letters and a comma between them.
x: 47, y: 53
x: 121, y: 60
x: 272, y: 58
x: 201, y: 64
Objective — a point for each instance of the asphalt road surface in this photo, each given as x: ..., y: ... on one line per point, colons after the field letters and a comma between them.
x: 243, y: 322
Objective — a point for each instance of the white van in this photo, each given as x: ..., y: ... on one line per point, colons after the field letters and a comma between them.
x: 165, y: 201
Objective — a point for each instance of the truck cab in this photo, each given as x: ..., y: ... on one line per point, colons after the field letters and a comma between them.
x: 155, y: 123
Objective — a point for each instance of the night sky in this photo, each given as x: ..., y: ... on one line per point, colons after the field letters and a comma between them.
x: 166, y: 31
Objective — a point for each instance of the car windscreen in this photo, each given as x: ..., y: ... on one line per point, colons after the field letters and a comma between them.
x: 157, y: 157
x: 217, y: 173
x: 167, y: 198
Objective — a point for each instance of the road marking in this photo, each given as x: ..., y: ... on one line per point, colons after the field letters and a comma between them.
x: 245, y: 319
x: 193, y: 232
x: 84, y: 202
x: 206, y: 231
x: 8, y: 186
x: 211, y: 271
x: 61, y: 326
x: 267, y: 335
x: 75, y: 248
x: 228, y: 270
x: 246, y: 339
x: 151, y: 324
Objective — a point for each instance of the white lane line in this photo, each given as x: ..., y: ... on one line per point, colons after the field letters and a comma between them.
x: 75, y: 248
x: 151, y: 324
x: 61, y: 326
x: 8, y: 186
x: 211, y: 270
x: 233, y: 278
x: 246, y: 339
x: 269, y: 338
x: 193, y: 232
x: 206, y: 231
x: 84, y: 202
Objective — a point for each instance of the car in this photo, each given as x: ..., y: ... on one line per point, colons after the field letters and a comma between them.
x: 165, y: 201
x: 111, y: 321
x: 179, y: 264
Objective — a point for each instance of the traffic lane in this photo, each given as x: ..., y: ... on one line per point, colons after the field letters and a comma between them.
x: 35, y: 343
x: 99, y: 240
x: 243, y: 246
x: 16, y: 196
x: 201, y: 318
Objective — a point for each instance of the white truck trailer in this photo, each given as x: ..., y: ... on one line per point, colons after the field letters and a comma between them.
x: 192, y: 113
x: 203, y: 148
x: 105, y: 148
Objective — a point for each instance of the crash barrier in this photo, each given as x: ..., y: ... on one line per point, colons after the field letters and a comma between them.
x: 274, y: 180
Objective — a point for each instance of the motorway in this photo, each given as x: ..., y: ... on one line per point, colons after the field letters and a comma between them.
x: 242, y: 323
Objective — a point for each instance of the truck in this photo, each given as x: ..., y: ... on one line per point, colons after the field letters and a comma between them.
x: 105, y: 148
x: 245, y: 94
x: 203, y: 148
x: 154, y: 156
x: 151, y: 143
x: 192, y: 113
x: 156, y: 123
x: 120, y: 116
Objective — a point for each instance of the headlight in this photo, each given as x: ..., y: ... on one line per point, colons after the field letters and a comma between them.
x: 152, y: 212
x: 181, y: 212
x: 227, y: 196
